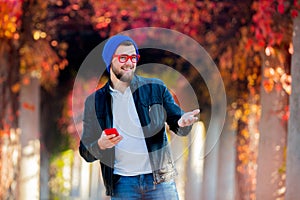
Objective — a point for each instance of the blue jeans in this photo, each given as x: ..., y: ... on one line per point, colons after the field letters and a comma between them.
x: 141, y: 187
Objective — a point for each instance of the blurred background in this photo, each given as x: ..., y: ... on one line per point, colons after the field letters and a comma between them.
x: 255, y: 45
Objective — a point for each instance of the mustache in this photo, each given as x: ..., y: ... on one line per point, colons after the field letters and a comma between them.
x: 122, y: 76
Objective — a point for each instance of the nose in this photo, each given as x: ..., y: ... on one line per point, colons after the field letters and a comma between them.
x: 129, y: 61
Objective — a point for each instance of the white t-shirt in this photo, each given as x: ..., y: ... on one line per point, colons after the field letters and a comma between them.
x: 131, y: 155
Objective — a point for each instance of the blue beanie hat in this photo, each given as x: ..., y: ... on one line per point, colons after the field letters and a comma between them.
x: 110, y: 48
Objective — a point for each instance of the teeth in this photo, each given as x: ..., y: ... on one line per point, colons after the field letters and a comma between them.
x: 129, y: 68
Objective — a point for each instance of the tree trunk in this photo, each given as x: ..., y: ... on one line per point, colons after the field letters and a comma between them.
x: 44, y: 168
x: 9, y: 84
x: 246, y: 147
x: 29, y: 121
x: 273, y: 131
x: 293, y: 147
x: 9, y: 105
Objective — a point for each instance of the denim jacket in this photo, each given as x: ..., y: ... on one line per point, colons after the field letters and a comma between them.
x: 155, y: 106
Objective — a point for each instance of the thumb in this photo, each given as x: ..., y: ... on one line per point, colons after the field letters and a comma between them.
x: 196, y: 111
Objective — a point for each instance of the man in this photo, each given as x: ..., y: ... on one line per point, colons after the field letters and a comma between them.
x: 137, y: 162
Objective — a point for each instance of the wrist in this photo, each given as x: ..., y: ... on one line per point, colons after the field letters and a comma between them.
x: 100, y: 145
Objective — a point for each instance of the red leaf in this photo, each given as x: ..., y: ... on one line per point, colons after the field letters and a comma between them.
x: 280, y: 8
x: 249, y: 43
x: 261, y: 43
x: 294, y: 13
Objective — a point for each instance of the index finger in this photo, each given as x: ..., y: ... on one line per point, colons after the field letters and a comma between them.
x: 116, y: 139
x: 110, y: 136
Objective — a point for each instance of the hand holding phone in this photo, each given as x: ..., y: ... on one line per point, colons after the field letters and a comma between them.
x: 107, y: 141
x: 111, y: 131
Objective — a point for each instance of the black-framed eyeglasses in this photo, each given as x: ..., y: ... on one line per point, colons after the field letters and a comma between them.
x: 123, y: 58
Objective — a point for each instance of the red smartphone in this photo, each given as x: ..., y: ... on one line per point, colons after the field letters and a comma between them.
x: 111, y: 131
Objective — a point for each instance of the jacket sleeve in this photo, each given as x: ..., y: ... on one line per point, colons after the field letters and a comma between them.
x: 174, y: 113
x: 89, y: 148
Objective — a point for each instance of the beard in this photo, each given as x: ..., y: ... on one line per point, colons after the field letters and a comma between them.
x: 123, y: 75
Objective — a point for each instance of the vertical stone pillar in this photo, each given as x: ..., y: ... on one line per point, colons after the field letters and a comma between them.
x: 195, y: 162
x: 210, y: 176
x: 226, y: 167
x: 85, y: 180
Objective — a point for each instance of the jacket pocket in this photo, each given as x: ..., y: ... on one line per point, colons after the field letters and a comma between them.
x: 154, y: 115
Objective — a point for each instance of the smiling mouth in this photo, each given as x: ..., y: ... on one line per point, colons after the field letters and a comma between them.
x: 127, y: 68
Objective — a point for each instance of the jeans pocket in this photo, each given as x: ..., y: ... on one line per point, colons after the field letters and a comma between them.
x: 117, y: 179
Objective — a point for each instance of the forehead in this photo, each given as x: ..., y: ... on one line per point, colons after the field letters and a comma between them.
x: 124, y: 49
